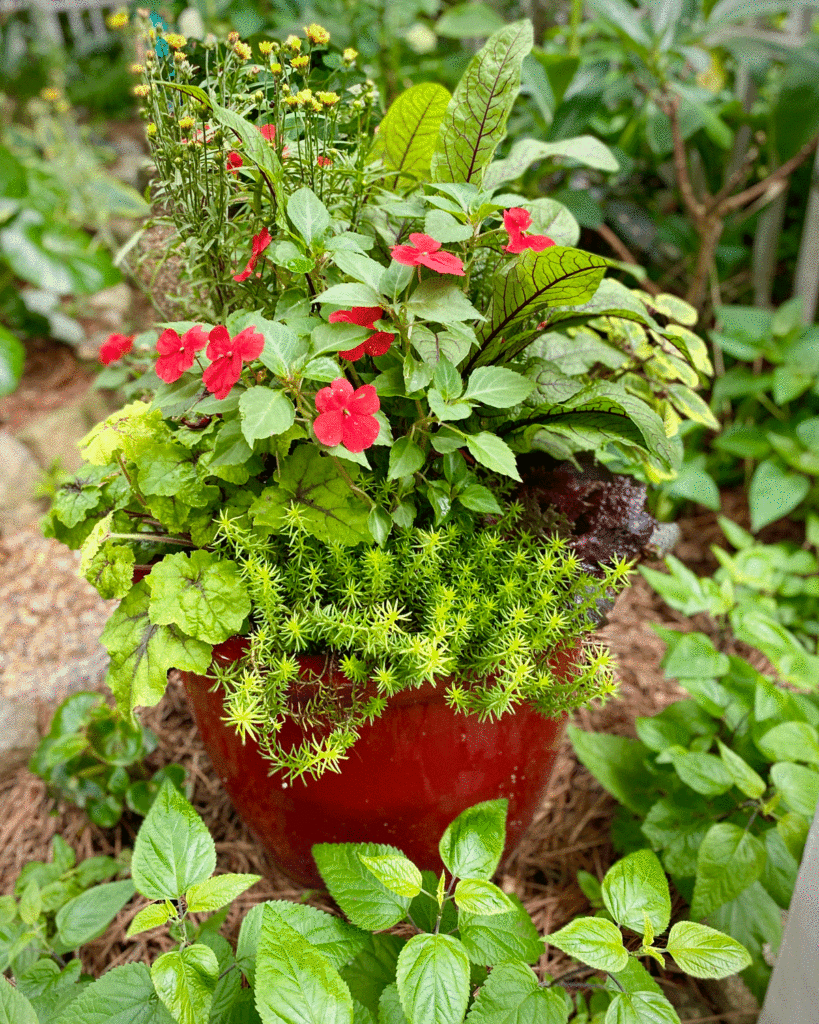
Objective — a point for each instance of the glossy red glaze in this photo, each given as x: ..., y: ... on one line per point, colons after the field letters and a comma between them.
x: 409, y: 774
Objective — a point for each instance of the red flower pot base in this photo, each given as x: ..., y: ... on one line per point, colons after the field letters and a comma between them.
x: 410, y: 773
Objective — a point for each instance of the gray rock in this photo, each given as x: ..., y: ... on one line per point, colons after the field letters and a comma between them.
x: 19, y: 476
x: 112, y: 305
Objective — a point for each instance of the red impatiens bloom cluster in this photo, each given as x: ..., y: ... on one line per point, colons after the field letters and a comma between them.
x: 423, y: 252
x: 346, y: 415
x: 324, y: 161
x: 177, y: 354
x: 234, y: 162
x: 375, y: 344
x: 516, y: 221
x: 260, y: 243
x: 227, y: 355
x: 115, y: 347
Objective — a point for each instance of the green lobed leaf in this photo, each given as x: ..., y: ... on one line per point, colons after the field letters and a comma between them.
x: 472, y: 844
x: 86, y: 917
x: 409, y: 130
x: 634, y: 886
x: 142, y: 653
x: 396, y: 873
x: 640, y: 1008
x: 704, y: 952
x: 363, y: 898
x: 173, y: 848
x: 475, y: 120
x: 216, y: 892
x: 477, y: 896
x: 512, y: 995
x: 265, y: 413
x: 294, y: 981
x: 433, y: 979
x: 593, y: 941
x: 730, y: 859
x: 123, y: 995
x: 185, y: 980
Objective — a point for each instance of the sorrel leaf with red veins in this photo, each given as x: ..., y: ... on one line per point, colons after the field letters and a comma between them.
x: 475, y: 120
x: 142, y: 653
x: 201, y: 593
x: 407, y: 135
x: 311, y: 483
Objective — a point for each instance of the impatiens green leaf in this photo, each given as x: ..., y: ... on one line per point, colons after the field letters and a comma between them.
x: 441, y: 301
x: 201, y: 593
x: 497, y: 386
x: 265, y: 412
x: 256, y: 148
x: 584, y: 149
x: 142, y: 653
x: 475, y: 120
x: 308, y: 214
x: 406, y: 458
x: 311, y: 484
x: 408, y: 133
x: 494, y: 453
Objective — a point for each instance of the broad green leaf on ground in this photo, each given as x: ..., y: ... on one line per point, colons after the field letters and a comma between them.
x: 12, y: 357
x: 390, y: 1010
x: 185, y: 980
x: 475, y: 120
x: 142, y: 653
x: 794, y: 831
x: 264, y: 413
x: 730, y: 859
x: 511, y: 995
x: 201, y: 593
x: 362, y: 897
x: 584, y: 149
x: 774, y: 492
x: 85, y: 917
x: 798, y: 785
x: 704, y: 773
x: 396, y: 873
x: 123, y: 995
x: 173, y: 848
x: 745, y: 778
x: 216, y: 892
x: 558, y: 276
x: 618, y: 764
x: 634, y: 886
x: 495, y: 938
x: 704, y: 952
x: 790, y: 741
x: 373, y: 969
x: 640, y: 1008
x: 314, y: 487
x: 433, y: 979
x: 593, y: 941
x: 472, y: 845
x: 14, y: 1007
x: 692, y: 656
x: 407, y: 134
x: 294, y: 981
x: 152, y: 916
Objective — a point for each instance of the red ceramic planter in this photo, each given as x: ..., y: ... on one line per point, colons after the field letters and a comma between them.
x: 410, y: 773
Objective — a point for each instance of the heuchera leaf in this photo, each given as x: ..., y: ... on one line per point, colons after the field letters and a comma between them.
x: 433, y: 979
x: 475, y: 120
x: 407, y: 135
x: 142, y: 653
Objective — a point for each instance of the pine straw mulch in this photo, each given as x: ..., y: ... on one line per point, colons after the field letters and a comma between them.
x: 571, y: 832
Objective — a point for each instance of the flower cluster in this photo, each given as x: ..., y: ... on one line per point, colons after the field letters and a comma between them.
x: 177, y: 354
x: 377, y: 343
x: 424, y: 251
x: 346, y: 415
x: 516, y: 220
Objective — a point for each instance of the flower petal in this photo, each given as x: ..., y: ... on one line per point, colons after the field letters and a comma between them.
x: 195, y: 338
x: 218, y: 342
x: 516, y: 219
x: 222, y: 374
x: 329, y: 426
x: 248, y: 344
x: 359, y: 432
x: 378, y: 343
x: 443, y: 263
x: 168, y: 342
x: 353, y: 353
x: 426, y: 243
x: 406, y: 254
x: 364, y: 401
x: 361, y: 316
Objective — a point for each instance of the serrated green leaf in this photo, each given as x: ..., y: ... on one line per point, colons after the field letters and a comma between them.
x: 441, y: 301
x: 511, y: 995
x: 173, y: 848
x: 396, y: 873
x: 472, y: 844
x: 479, y: 499
x: 123, y: 995
x: 493, y: 452
x: 593, y: 941
x: 362, y: 897
x: 474, y: 123
x: 409, y: 130
x: 704, y: 952
x: 265, y: 413
x: 634, y: 886
x: 373, y: 969
x: 433, y: 979
x: 153, y: 916
x: 704, y: 773
x: 496, y: 938
x: 477, y: 896
x: 497, y: 386
x: 390, y: 1010
x: 640, y: 1008
x: 729, y: 860
x: 185, y: 980
x: 216, y: 892
x: 406, y: 458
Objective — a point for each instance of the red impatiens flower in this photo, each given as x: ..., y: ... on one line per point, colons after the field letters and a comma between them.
x: 260, y: 243
x: 516, y: 221
x: 227, y: 355
x: 324, y: 161
x: 234, y: 162
x: 423, y: 252
x: 268, y: 131
x: 377, y: 343
x: 115, y: 347
x: 178, y: 354
x: 346, y: 415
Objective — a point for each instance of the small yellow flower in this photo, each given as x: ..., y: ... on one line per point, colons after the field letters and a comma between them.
x: 265, y: 47
x: 51, y: 95
x: 233, y: 37
x: 186, y: 122
x: 175, y: 40
x: 317, y: 35
x: 294, y: 43
x: 316, y: 106
x: 275, y: 69
x: 62, y: 106
x: 242, y: 51
x: 119, y: 19
x: 292, y: 101
x: 300, y: 63
x: 141, y: 90
x: 349, y: 55
x: 304, y: 96
x: 179, y: 57
x: 137, y: 69
x: 150, y: 128
x: 329, y: 99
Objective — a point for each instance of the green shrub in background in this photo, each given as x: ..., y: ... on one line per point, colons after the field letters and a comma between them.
x: 468, y: 958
